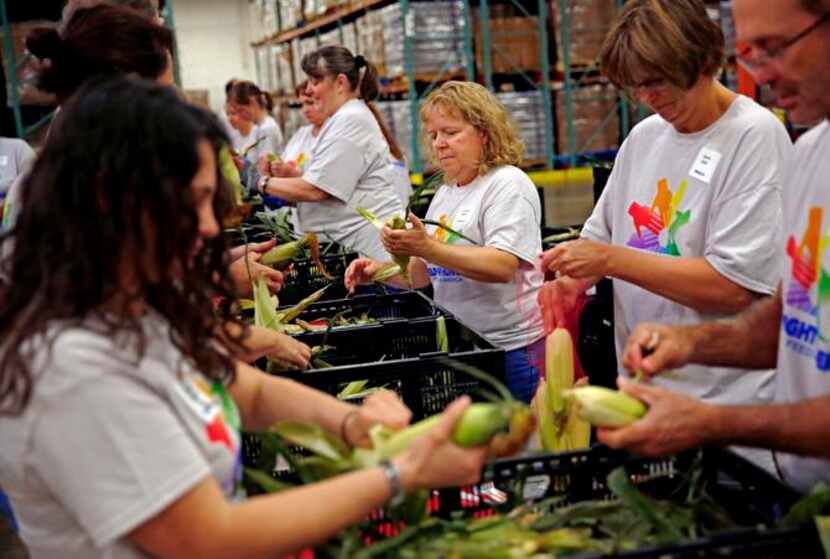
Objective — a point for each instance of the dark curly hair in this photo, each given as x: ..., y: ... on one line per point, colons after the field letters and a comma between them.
x: 113, y: 181
x: 98, y: 41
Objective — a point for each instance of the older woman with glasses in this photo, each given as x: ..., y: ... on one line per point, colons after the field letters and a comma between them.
x: 689, y: 224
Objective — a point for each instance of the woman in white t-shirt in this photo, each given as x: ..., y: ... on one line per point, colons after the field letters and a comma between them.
x: 121, y: 400
x: 484, y: 267
x: 689, y: 224
x: 250, y: 103
x: 350, y: 165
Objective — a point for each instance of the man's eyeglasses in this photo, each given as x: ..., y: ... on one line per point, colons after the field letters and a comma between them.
x: 764, y: 56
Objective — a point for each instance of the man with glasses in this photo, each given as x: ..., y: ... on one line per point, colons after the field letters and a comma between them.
x: 789, y: 50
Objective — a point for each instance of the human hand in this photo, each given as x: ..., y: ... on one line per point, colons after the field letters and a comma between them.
x: 381, y: 408
x: 243, y: 271
x: 653, y: 348
x: 263, y: 165
x: 413, y: 241
x: 558, y: 299
x: 285, y: 349
x: 360, y: 272
x: 434, y: 461
x: 280, y: 168
x: 674, y: 422
x: 263, y: 247
x: 581, y: 259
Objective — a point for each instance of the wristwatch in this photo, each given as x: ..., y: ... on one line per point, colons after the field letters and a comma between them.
x: 262, y: 183
x: 395, y: 484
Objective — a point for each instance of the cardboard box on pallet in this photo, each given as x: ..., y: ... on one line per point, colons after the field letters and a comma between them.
x: 514, y: 44
x: 595, y: 119
x: 26, y: 66
x: 589, y: 20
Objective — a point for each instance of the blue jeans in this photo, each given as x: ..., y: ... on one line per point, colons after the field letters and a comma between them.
x: 6, y: 511
x: 523, y: 367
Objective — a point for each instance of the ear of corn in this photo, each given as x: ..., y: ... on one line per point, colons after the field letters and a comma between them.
x: 441, y: 337
x: 394, y: 222
x: 265, y: 308
x: 560, y: 427
x: 389, y: 270
x: 604, y: 407
x: 230, y: 173
x: 282, y: 255
x: 288, y: 315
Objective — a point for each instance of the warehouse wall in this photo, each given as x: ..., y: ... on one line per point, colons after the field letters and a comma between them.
x: 214, y: 39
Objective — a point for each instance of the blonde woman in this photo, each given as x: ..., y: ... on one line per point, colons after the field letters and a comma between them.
x: 484, y: 271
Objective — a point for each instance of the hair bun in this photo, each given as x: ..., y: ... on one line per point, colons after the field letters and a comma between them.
x: 359, y: 62
x: 44, y: 42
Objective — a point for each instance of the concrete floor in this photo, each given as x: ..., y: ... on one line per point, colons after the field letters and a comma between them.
x: 10, y: 545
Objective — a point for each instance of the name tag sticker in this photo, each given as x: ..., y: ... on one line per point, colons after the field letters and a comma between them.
x: 706, y: 164
x: 4, y: 160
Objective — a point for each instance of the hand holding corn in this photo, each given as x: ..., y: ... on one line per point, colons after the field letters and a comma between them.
x: 381, y: 408
x: 413, y: 241
x: 362, y: 271
x: 654, y: 348
x: 582, y: 259
x: 244, y: 270
x: 674, y: 422
x: 435, y: 461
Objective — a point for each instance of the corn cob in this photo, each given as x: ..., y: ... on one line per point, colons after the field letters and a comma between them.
x: 560, y: 427
x: 230, y: 173
x: 604, y: 407
x: 394, y: 222
x: 389, y: 270
x: 282, y: 255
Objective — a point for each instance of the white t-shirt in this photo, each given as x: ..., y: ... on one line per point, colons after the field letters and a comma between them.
x: 350, y: 161
x: 15, y: 157
x: 714, y: 194
x: 108, y: 441
x: 272, y: 141
x: 242, y: 144
x: 299, y: 147
x: 804, y: 343
x: 500, y: 210
x: 403, y: 183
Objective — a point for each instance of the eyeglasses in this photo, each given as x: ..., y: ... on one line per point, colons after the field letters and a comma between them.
x: 764, y: 56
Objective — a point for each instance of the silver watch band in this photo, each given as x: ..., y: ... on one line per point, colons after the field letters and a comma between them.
x: 395, y: 484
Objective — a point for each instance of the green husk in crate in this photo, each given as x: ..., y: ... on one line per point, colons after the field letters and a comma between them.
x: 230, y: 173
x: 394, y: 222
x: 284, y: 254
x: 441, y: 337
x: 385, y: 272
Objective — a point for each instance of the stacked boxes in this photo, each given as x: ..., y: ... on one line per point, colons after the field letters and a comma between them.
x: 514, y: 45
x: 370, y: 35
x: 590, y: 20
x: 527, y: 111
x: 438, y: 32
x: 595, y: 118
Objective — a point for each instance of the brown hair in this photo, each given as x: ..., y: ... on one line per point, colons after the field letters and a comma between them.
x: 478, y: 106
x: 99, y: 41
x: 674, y: 40
x: 817, y: 7
x: 301, y: 87
x: 338, y: 60
x: 243, y: 92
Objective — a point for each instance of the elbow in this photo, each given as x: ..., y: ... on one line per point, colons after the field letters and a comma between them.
x: 317, y: 195
x: 739, y: 299
x: 502, y: 276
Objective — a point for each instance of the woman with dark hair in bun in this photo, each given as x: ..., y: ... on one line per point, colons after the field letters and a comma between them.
x: 350, y: 165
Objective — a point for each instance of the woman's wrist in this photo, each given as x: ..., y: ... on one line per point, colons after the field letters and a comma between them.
x: 262, y: 184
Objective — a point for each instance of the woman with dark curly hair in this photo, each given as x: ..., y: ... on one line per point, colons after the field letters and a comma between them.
x: 119, y: 405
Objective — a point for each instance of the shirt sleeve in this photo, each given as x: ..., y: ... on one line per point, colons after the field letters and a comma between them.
x: 115, y: 455
x: 744, y: 232
x: 336, y: 166
x: 512, y: 217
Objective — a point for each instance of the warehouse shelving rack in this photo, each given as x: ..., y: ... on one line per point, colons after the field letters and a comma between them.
x: 11, y: 61
x: 569, y: 156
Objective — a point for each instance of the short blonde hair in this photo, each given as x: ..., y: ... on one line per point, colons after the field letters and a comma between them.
x: 674, y: 39
x: 476, y: 105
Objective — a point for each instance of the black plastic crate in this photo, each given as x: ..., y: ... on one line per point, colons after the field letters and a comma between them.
x: 407, y: 305
x: 403, y: 356
x: 303, y: 278
x: 755, y: 499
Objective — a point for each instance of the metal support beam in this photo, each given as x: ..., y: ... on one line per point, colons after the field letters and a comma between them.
x: 11, y: 64
x: 170, y: 21
x: 408, y: 17
x: 484, y: 16
x: 547, y: 107
x: 469, y: 58
x: 565, y: 32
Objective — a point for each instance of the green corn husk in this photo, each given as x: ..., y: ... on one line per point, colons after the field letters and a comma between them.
x: 230, y: 173
x: 604, y: 407
x: 288, y: 315
x: 386, y: 272
x: 282, y: 255
x: 265, y: 307
x: 352, y: 388
x: 441, y: 336
x: 394, y: 222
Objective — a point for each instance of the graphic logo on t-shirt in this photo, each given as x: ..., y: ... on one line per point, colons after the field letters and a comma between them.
x: 201, y: 399
x: 442, y: 234
x: 656, y: 226
x: 808, y: 291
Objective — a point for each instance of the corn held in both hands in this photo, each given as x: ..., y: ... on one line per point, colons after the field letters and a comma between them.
x: 604, y: 407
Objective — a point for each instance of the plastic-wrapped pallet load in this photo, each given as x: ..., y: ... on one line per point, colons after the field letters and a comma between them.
x: 595, y: 119
x: 299, y: 48
x: 370, y: 39
x: 527, y: 111
x: 399, y: 120
x: 590, y: 21
x: 330, y: 38
x: 350, y: 38
x: 291, y: 13
x: 438, y: 32
x: 283, y: 70
x: 263, y: 67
